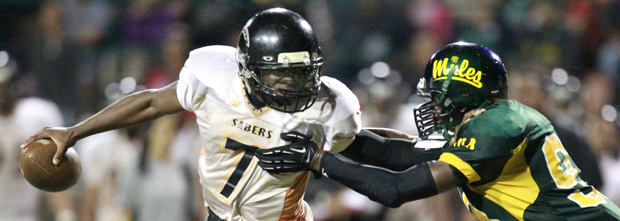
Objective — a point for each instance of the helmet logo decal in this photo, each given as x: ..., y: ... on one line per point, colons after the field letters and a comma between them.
x: 246, y: 36
x: 462, y: 73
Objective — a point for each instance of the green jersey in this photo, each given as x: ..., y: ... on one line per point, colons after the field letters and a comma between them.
x: 517, y: 169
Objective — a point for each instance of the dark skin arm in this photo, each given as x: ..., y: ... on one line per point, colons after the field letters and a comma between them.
x: 442, y: 175
x: 133, y: 109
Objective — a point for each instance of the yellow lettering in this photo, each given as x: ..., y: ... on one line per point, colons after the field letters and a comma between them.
x: 470, y: 72
x: 471, y: 76
x: 439, y: 67
x: 471, y: 144
x: 461, y: 141
x: 477, y: 78
x: 463, y: 67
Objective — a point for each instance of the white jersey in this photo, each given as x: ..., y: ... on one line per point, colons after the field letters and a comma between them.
x: 234, y: 186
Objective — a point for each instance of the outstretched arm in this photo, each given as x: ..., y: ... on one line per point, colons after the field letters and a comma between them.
x: 388, y: 187
x: 133, y: 109
x: 392, y: 150
x: 379, y: 184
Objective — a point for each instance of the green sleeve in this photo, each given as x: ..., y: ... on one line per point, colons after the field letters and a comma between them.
x: 481, y: 150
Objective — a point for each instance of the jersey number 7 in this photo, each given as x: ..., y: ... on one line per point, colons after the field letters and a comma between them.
x: 242, y: 166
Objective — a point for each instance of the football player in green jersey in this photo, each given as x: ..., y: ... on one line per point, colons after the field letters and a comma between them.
x: 504, y: 157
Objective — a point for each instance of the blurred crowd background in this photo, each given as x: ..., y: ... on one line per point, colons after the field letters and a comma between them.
x: 63, y: 60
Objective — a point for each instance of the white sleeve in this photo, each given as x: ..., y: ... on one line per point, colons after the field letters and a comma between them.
x: 190, y: 91
x: 346, y: 121
x: 343, y: 133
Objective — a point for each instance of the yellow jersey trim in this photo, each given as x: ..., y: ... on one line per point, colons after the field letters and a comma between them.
x: 515, y: 188
x: 461, y: 165
x: 256, y: 111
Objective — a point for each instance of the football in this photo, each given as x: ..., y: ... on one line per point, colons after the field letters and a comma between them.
x: 36, y: 165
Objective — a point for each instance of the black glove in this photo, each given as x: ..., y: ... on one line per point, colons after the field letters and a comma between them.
x: 301, y: 154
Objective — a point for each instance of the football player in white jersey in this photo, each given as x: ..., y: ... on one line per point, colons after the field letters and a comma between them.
x: 244, y: 98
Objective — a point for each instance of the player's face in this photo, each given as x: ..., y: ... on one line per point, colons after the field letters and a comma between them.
x: 288, y: 79
x: 289, y: 89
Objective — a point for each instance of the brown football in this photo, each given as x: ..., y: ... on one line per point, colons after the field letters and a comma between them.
x: 37, y: 167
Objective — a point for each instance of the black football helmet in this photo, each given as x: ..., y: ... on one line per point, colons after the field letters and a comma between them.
x: 460, y: 77
x: 278, y: 45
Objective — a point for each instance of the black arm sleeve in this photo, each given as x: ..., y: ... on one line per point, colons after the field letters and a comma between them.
x: 386, y: 187
x: 391, y: 153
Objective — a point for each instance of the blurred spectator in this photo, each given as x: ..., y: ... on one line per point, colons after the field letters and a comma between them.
x: 582, y: 24
x: 104, y: 156
x: 381, y: 91
x: 20, y: 117
x: 212, y: 21
x: 477, y: 23
x: 601, y: 131
x: 143, y: 27
x: 422, y: 45
x: 156, y: 186
x: 51, y: 58
x: 174, y: 49
x: 87, y: 21
x: 433, y: 18
x: 608, y: 57
x: 87, y: 24
x: 369, y: 31
x: 597, y: 92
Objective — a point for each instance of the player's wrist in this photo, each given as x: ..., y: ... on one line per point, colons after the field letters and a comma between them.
x: 315, y: 163
x: 75, y: 133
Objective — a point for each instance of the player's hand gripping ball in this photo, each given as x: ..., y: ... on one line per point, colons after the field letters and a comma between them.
x: 37, y: 167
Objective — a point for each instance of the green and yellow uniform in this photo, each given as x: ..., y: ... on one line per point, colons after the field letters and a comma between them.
x: 517, y: 169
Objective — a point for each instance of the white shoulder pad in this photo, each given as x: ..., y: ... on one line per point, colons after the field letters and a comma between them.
x: 214, y: 65
x: 206, y: 67
x: 345, y: 122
